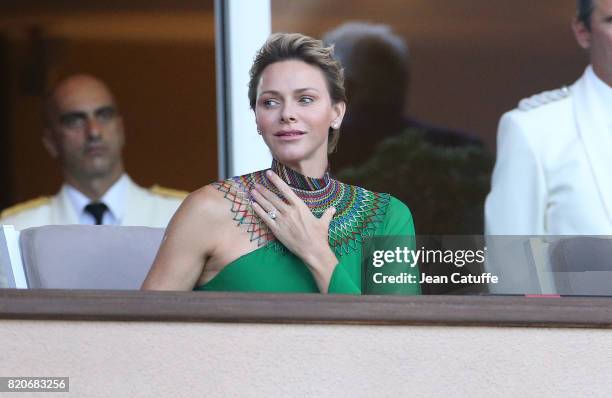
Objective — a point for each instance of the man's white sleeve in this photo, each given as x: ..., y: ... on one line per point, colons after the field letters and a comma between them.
x: 516, y: 204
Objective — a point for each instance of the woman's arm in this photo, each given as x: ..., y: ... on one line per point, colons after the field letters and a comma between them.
x: 188, y: 241
x: 399, y: 232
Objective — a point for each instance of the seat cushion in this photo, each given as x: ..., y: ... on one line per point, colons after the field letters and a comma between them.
x: 88, y: 256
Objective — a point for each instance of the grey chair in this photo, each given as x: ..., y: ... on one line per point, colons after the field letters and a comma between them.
x: 87, y: 256
x: 582, y: 265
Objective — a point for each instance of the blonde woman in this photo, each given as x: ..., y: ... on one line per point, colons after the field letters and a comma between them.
x: 291, y: 228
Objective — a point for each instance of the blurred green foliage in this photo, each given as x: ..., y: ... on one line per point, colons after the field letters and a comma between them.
x: 444, y: 187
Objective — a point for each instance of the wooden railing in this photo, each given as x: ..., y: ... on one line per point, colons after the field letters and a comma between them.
x: 105, y: 305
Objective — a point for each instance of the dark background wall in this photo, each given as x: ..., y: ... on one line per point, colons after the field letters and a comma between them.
x: 158, y: 59
x: 471, y: 60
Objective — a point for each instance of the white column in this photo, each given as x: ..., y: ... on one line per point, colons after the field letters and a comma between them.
x: 12, y: 274
x: 242, y: 28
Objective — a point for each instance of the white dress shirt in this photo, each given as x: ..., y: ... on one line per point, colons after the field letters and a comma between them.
x: 553, y: 168
x: 603, y: 93
x: 114, y: 199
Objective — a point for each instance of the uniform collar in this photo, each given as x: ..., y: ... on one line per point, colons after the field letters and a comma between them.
x: 114, y: 198
x: 602, y: 91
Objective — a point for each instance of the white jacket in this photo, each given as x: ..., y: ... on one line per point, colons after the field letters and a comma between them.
x: 553, y: 174
x: 145, y: 207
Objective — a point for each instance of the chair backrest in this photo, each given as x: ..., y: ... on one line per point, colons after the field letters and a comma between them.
x: 582, y: 265
x: 87, y: 256
x: 563, y: 264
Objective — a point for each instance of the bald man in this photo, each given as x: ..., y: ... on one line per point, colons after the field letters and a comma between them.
x: 84, y: 132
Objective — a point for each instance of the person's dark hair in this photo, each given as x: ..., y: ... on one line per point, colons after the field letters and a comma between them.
x: 376, y: 70
x: 584, y: 10
x: 295, y: 46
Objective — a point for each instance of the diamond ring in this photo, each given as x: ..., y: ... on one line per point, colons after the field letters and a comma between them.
x: 272, y: 214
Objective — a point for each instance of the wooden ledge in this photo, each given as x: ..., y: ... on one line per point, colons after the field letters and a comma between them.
x: 108, y: 305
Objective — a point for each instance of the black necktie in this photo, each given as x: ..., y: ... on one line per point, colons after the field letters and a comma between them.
x: 97, y: 210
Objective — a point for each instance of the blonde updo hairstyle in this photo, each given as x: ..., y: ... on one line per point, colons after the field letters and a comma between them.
x: 295, y: 46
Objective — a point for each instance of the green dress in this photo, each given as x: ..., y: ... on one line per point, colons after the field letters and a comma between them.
x: 272, y: 268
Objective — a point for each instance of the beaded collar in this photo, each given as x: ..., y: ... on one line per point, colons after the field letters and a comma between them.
x: 298, y: 181
x: 358, y: 211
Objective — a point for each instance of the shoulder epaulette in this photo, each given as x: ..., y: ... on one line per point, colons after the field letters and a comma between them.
x: 168, y: 192
x: 543, y: 98
x: 27, y: 205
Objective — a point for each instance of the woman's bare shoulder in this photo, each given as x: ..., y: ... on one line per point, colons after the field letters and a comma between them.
x: 207, y: 200
x: 214, y: 203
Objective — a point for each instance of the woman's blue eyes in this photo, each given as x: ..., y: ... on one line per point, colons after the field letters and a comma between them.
x: 269, y: 103
x: 272, y: 102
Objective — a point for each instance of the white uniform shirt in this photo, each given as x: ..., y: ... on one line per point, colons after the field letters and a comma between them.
x: 129, y: 204
x: 603, y: 93
x: 114, y: 199
x: 553, y: 170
